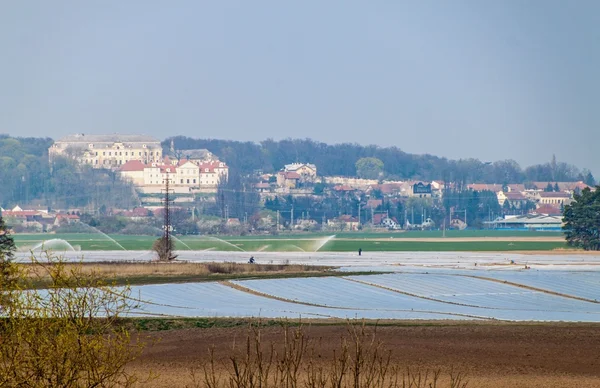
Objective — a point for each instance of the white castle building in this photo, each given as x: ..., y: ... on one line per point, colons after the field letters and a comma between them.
x: 107, y: 151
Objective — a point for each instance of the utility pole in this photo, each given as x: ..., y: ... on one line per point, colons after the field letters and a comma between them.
x: 166, y: 253
x: 359, y: 213
x: 278, y: 220
x: 292, y: 218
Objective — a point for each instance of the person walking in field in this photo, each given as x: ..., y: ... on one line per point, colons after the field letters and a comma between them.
x: 359, y: 251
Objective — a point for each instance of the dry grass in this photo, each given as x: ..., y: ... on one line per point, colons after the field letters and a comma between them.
x: 131, y: 270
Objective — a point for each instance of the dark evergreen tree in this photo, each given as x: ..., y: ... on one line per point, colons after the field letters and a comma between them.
x: 7, y: 244
x: 7, y: 268
x: 588, y: 178
x: 582, y: 220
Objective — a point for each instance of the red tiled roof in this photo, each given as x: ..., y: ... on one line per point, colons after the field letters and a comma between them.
x: 388, y: 188
x: 562, y: 186
x: 347, y: 218
x: 20, y: 213
x: 133, y: 165
x: 514, y: 196
x: 549, y: 210
x: 290, y: 175
x: 211, y: 165
x: 262, y: 185
x: 544, y: 194
x: 68, y: 216
x: 516, y: 187
x: 378, y: 218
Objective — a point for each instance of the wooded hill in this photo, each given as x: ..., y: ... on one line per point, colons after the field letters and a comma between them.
x: 26, y: 177
x: 340, y: 160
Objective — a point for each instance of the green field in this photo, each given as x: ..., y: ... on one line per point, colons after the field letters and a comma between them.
x: 342, y: 242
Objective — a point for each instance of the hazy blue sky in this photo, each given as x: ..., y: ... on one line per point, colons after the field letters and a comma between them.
x: 485, y: 79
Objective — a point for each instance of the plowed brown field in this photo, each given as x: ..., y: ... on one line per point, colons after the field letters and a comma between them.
x: 492, y: 355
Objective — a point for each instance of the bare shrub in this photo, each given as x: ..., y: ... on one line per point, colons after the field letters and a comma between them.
x: 164, y: 247
x: 360, y: 361
x: 68, y: 335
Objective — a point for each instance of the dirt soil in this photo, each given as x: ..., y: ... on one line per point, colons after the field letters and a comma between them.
x: 492, y: 355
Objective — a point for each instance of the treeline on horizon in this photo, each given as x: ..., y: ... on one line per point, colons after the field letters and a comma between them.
x: 339, y: 160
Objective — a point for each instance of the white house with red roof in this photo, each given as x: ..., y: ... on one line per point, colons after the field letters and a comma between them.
x: 184, y: 176
x: 288, y: 179
x: 212, y: 173
x: 307, y: 171
x: 133, y: 171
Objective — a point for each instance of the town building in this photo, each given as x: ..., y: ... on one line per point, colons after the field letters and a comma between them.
x: 548, y: 210
x: 529, y: 222
x: 553, y: 198
x: 344, y: 222
x: 515, y: 199
x: 107, y: 151
x: 307, y: 171
x: 184, y: 176
x: 288, y: 179
x: 21, y: 220
x: 212, y: 173
x: 421, y: 190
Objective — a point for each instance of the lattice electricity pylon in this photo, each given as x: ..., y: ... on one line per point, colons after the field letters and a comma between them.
x: 167, y: 227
